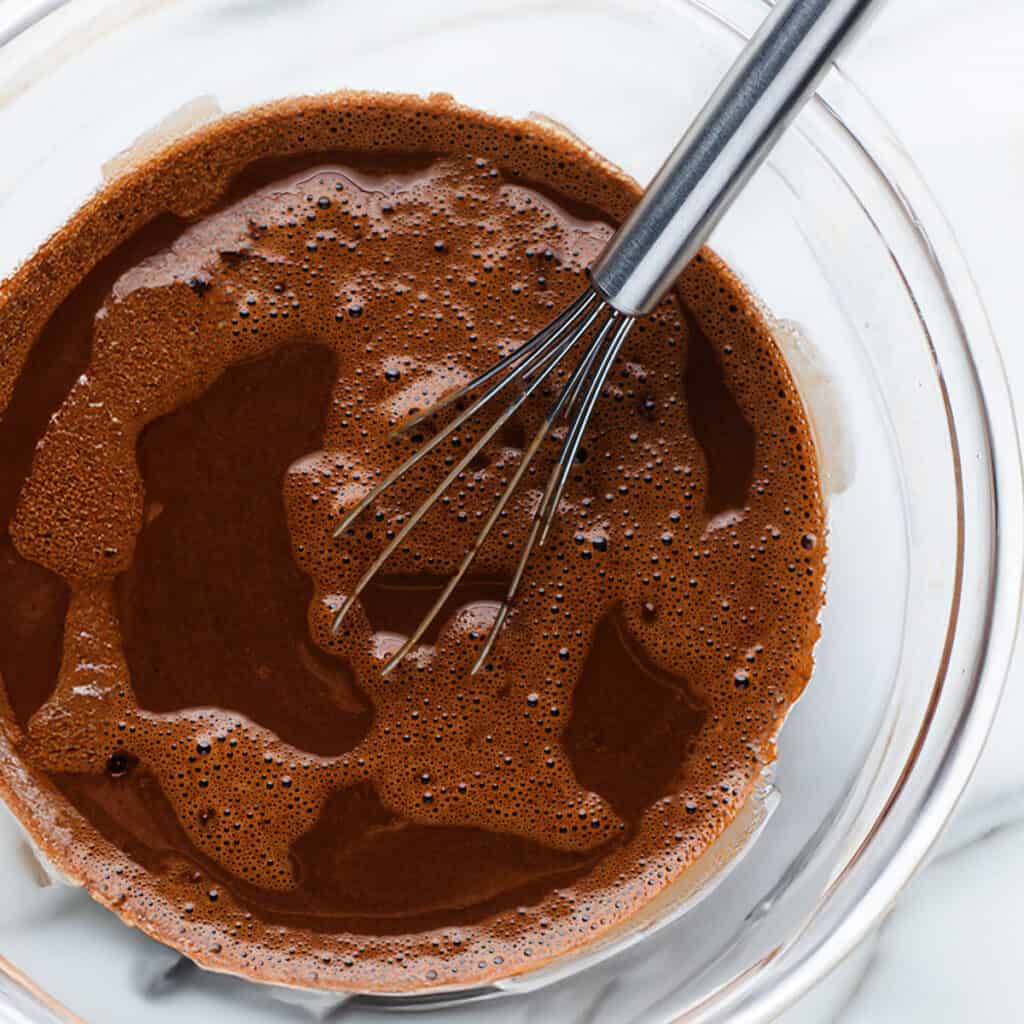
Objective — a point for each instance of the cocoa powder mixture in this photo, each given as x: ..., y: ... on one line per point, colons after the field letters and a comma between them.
x: 199, y: 372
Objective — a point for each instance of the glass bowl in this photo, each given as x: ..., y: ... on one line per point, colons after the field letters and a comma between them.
x: 839, y: 238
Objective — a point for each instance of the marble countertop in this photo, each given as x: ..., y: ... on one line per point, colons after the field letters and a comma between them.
x: 949, y: 76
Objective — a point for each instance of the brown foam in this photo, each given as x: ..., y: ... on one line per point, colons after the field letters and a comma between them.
x: 207, y: 757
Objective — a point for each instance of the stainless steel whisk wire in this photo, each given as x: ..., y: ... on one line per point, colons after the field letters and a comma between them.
x: 531, y: 365
x: 773, y: 77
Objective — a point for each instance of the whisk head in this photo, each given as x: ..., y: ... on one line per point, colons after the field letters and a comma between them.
x: 521, y: 373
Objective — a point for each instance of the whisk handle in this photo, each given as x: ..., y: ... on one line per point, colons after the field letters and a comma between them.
x: 733, y: 134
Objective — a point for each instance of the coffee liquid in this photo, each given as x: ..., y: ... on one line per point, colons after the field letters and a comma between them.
x: 199, y: 373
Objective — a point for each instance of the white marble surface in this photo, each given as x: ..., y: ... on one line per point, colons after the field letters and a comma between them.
x: 949, y: 76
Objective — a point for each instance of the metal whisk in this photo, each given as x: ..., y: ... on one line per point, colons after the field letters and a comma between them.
x: 732, y: 135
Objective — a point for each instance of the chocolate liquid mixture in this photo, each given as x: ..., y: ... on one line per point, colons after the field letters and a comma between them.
x: 199, y: 373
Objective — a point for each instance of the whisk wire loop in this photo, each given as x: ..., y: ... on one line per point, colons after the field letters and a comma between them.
x: 530, y: 365
x: 540, y: 347
x: 544, y: 514
x: 564, y: 400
